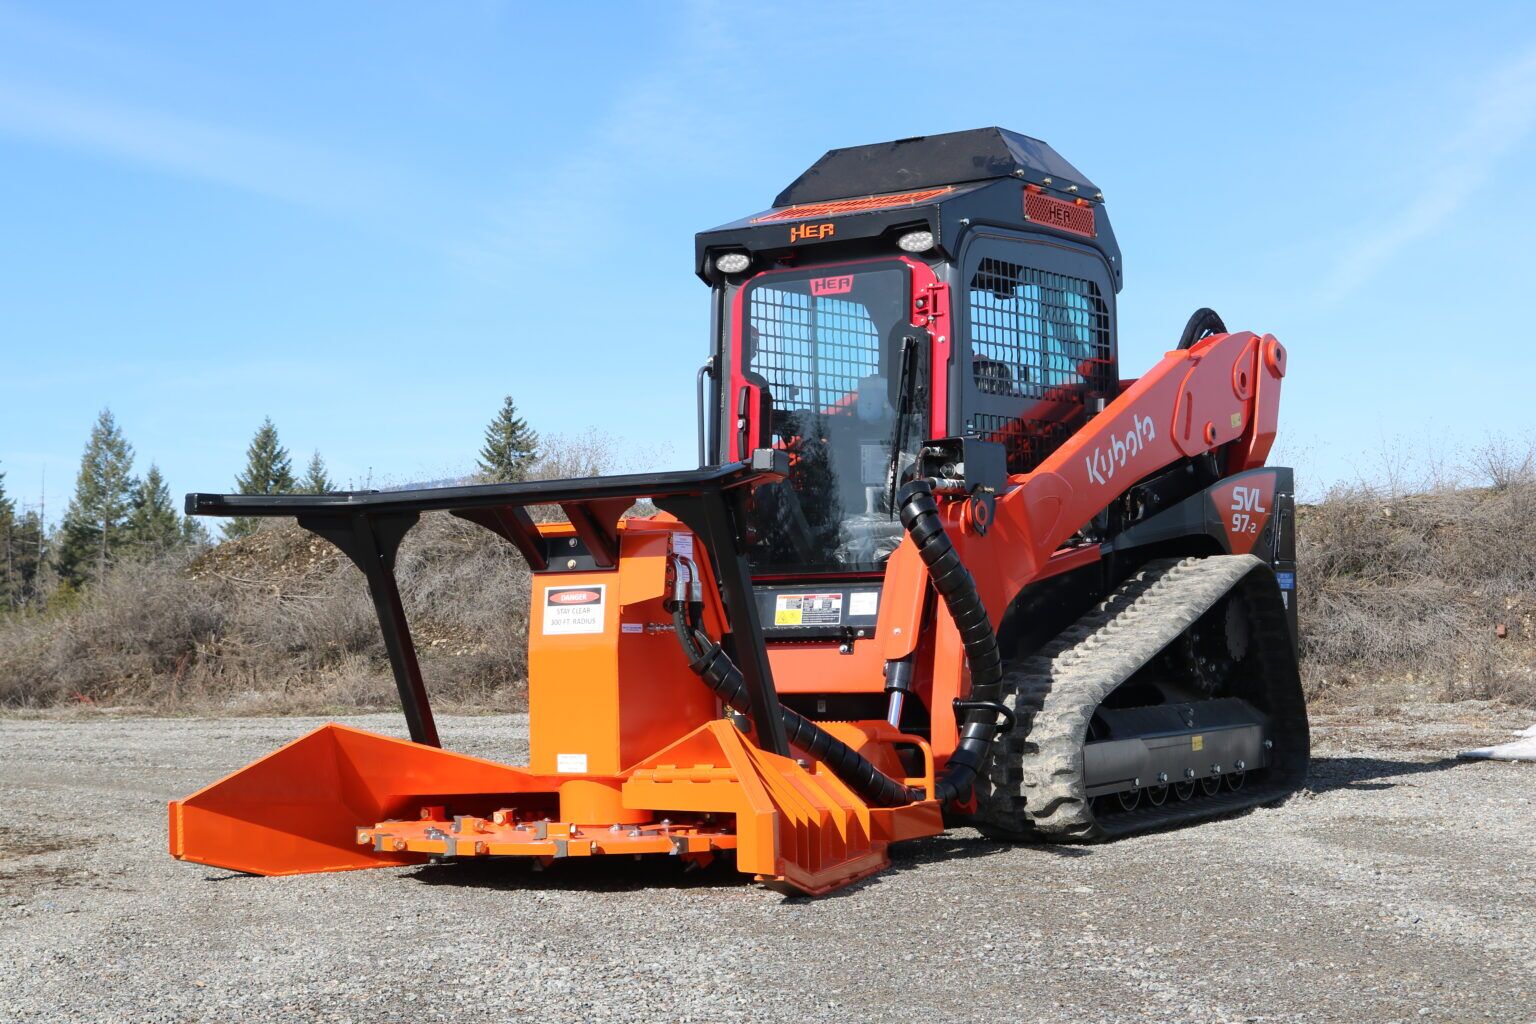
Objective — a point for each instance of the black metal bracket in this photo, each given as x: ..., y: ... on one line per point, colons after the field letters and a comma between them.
x: 513, y: 524
x: 368, y: 527
x: 996, y: 707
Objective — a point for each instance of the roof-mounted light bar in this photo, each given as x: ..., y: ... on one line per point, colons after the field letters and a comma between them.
x: 842, y: 206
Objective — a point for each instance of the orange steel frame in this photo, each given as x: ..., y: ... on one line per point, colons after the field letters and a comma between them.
x: 629, y: 752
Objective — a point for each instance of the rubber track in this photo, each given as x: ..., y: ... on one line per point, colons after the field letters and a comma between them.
x: 1036, y: 774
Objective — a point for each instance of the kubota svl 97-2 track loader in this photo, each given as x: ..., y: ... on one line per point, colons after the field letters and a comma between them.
x: 940, y: 563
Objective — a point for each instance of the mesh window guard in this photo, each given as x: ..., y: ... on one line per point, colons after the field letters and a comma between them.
x: 812, y: 350
x: 1040, y: 344
x: 1032, y: 330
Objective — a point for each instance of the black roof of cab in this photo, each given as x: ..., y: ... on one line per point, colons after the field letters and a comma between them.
x: 925, y: 161
x: 859, y: 199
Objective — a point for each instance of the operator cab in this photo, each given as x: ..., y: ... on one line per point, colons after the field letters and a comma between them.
x: 823, y: 346
x: 950, y: 286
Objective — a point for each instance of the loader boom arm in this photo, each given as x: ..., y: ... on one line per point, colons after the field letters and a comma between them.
x: 1223, y: 391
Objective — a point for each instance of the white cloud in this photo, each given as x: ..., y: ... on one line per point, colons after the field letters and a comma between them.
x: 202, y: 150
x: 1500, y: 118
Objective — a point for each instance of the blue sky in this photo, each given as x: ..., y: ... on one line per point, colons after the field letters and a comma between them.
x: 371, y: 221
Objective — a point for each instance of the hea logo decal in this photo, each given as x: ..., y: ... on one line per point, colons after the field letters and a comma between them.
x: 1119, y: 450
x: 832, y: 285
x: 811, y: 232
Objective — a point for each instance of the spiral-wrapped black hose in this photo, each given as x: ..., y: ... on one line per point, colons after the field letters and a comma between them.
x: 920, y: 518
x: 717, y: 670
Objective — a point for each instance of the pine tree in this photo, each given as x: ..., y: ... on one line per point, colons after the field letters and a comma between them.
x: 194, y: 533
x: 316, y: 479
x: 154, y: 527
x: 10, y: 541
x: 510, y: 446
x: 268, y: 470
x: 29, y: 558
x: 21, y: 553
x: 94, y: 529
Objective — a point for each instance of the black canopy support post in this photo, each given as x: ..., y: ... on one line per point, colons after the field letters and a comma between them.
x: 369, y: 525
x: 372, y: 542
x: 717, y: 517
x: 513, y: 523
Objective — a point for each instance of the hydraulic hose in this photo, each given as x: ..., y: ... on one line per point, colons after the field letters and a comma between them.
x: 920, y: 518
x: 1203, y: 323
x: 717, y: 670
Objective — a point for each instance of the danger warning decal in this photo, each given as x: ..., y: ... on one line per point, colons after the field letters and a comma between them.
x: 574, y: 609
x: 808, y: 610
x: 1243, y: 508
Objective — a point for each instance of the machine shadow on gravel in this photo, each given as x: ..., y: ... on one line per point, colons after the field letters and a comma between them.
x: 589, y: 875
x: 614, y: 875
x: 1330, y: 773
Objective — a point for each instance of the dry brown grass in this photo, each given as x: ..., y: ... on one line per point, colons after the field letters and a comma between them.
x: 279, y: 622
x: 1433, y: 591
x: 1402, y: 593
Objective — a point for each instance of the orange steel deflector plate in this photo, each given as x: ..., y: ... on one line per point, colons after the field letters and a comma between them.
x: 796, y: 829
x: 297, y: 809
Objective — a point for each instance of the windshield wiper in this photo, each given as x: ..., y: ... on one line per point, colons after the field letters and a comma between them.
x: 906, y: 398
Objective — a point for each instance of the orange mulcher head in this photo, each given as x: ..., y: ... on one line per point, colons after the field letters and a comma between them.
x: 628, y: 752
x: 341, y: 798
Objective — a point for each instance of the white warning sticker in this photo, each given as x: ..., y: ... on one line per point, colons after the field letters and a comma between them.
x: 574, y: 609
x: 682, y: 544
x: 571, y: 763
x: 808, y: 610
x: 864, y: 602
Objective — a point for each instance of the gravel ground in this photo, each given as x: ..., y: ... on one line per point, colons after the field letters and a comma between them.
x: 1400, y: 886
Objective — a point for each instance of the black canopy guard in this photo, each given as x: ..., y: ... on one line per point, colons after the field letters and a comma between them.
x: 368, y: 527
x: 923, y: 161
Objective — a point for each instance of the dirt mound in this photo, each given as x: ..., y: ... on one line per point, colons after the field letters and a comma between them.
x: 279, y: 554
x: 279, y: 621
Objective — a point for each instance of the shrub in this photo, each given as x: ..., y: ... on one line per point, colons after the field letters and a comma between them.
x: 1406, y: 590
x: 1419, y: 587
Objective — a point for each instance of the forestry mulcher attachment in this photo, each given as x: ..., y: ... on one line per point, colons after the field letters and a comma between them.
x: 940, y: 564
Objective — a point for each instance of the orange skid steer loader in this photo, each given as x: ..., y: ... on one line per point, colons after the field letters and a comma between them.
x: 940, y: 564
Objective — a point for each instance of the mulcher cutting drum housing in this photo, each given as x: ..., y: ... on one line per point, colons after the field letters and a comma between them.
x: 940, y: 564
